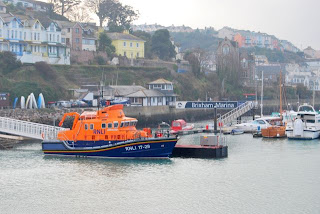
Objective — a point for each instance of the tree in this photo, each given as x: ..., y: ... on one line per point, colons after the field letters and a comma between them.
x: 8, y: 62
x: 194, y: 61
x: 79, y: 14
x: 122, y: 18
x: 117, y: 15
x: 105, y: 44
x: 161, y: 45
x: 147, y: 45
x: 303, y: 92
x: 64, y: 6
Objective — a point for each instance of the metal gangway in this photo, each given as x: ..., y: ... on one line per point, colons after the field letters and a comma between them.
x: 28, y: 129
x: 237, y: 112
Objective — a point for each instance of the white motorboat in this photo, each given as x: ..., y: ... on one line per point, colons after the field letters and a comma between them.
x: 306, y: 125
x: 256, y: 125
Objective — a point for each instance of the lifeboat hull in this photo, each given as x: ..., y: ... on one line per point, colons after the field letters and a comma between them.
x: 150, y: 148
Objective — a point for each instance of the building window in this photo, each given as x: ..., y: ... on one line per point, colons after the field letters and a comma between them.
x: 54, y: 37
x: 39, y: 36
x: 109, y: 125
x: 124, y: 44
x: 12, y: 34
x: 35, y: 36
x: 58, y: 38
x: 63, y: 40
x: 50, y: 37
x: 25, y: 35
x: 137, y: 45
x: 130, y: 44
x: 103, y: 125
x: 14, y: 24
x: 52, y: 27
x: 77, y: 30
x: 77, y: 40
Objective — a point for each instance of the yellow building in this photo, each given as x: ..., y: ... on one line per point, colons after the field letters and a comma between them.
x: 127, y: 45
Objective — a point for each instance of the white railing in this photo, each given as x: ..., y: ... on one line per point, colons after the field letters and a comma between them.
x: 237, y: 112
x: 28, y: 129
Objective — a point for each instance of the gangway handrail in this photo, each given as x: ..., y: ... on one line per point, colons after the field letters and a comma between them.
x: 247, y: 105
x: 28, y: 129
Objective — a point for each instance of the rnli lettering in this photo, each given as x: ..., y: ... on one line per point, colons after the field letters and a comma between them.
x: 99, y: 131
x: 139, y: 147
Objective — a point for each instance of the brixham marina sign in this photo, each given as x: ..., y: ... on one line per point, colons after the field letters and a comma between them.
x: 207, y: 105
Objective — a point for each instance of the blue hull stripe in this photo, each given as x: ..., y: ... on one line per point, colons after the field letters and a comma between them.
x: 138, y: 149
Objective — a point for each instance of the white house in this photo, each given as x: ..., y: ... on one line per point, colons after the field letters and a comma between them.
x: 297, y: 74
x: 159, y: 93
x: 32, y: 40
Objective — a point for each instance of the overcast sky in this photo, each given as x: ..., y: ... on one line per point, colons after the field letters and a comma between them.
x: 293, y: 20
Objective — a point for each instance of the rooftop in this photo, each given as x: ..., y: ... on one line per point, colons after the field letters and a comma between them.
x: 123, y: 36
x: 123, y: 90
x: 146, y: 93
x: 160, y: 81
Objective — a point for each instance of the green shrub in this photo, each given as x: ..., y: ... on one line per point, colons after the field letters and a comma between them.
x: 8, y: 62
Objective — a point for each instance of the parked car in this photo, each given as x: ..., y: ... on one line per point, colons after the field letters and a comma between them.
x: 79, y: 104
x: 63, y: 104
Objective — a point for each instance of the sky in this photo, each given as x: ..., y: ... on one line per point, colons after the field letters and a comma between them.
x: 294, y: 20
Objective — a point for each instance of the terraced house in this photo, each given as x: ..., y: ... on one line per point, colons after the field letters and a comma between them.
x: 32, y: 40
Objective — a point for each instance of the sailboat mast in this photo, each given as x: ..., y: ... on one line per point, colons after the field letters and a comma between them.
x: 280, y: 93
x: 262, y: 95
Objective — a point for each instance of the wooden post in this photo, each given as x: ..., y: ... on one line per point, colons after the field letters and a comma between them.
x: 215, y: 120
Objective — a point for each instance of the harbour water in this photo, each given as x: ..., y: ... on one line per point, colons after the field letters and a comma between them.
x: 259, y: 176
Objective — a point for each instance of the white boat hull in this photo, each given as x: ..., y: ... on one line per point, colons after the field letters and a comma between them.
x: 306, y: 135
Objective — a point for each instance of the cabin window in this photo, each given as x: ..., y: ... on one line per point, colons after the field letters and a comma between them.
x: 261, y: 122
x: 131, y: 123
x: 176, y: 124
x: 115, y: 124
x: 106, y: 137
x: 122, y: 123
x: 103, y: 125
x: 310, y: 121
x: 126, y: 124
x: 91, y: 126
x: 109, y: 125
x: 86, y: 126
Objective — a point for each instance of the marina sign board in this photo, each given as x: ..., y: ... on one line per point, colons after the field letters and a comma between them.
x: 207, y: 105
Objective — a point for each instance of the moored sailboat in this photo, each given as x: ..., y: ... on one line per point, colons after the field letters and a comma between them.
x: 278, y: 128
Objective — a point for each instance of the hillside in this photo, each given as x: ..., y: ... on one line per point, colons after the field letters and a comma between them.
x: 54, y: 81
x: 197, y: 39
